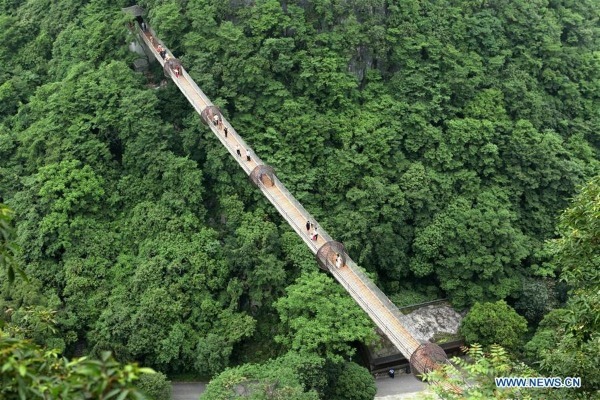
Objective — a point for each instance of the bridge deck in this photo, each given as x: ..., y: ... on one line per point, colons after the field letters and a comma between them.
x: 372, y: 300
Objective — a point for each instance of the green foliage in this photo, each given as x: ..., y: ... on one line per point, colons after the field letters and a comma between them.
x: 37, y: 324
x: 473, y: 378
x: 353, y: 383
x: 409, y: 296
x: 97, y: 34
x: 494, y: 323
x: 576, y: 251
x: 277, y: 379
x: 155, y: 386
x: 567, y: 342
x: 166, y: 18
x: 296, y: 375
x: 319, y: 317
x: 64, y: 193
x: 536, y: 300
x: 485, y: 229
x: 31, y: 372
x: 8, y: 248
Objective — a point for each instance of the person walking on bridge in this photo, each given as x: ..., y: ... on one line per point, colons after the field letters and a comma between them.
x: 248, y: 155
x: 237, y: 150
x: 162, y: 51
x: 225, y: 130
x: 308, y: 225
x: 338, y: 261
x: 315, y: 235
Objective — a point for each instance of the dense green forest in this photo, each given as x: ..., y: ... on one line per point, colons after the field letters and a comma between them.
x: 439, y: 140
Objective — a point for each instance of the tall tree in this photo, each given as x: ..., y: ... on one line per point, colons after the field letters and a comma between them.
x: 319, y: 317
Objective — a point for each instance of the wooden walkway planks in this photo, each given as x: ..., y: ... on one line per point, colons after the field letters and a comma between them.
x: 379, y: 308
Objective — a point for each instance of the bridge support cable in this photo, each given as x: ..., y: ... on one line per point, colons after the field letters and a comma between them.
x: 362, y: 289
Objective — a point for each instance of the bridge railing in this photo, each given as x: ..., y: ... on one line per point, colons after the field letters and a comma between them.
x: 385, y: 301
x: 196, y: 88
x: 149, y: 44
x: 307, y: 216
x: 298, y: 226
x: 405, y: 346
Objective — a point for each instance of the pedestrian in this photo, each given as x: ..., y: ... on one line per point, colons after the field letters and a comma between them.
x: 162, y: 52
x: 307, y: 226
x: 338, y: 261
x: 216, y: 120
x: 144, y: 27
x: 225, y: 130
x: 391, y: 373
x: 247, y: 154
x: 315, y: 234
x: 237, y: 150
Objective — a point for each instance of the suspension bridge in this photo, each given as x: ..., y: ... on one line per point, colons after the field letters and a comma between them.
x: 423, y: 356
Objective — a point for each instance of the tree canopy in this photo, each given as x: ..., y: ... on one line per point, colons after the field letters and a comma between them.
x: 494, y: 323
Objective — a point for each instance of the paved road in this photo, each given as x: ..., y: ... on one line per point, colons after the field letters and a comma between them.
x: 187, y: 390
x: 401, y: 384
x: 397, y: 388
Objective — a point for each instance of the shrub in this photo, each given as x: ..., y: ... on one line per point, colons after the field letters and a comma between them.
x: 489, y: 323
x: 156, y: 386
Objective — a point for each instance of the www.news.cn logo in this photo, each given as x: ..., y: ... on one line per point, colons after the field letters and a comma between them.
x: 537, y: 382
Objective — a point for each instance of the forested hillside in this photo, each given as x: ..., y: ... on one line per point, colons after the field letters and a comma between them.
x: 438, y: 140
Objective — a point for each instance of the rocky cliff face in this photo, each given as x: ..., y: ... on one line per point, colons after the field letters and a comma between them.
x: 429, y: 321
